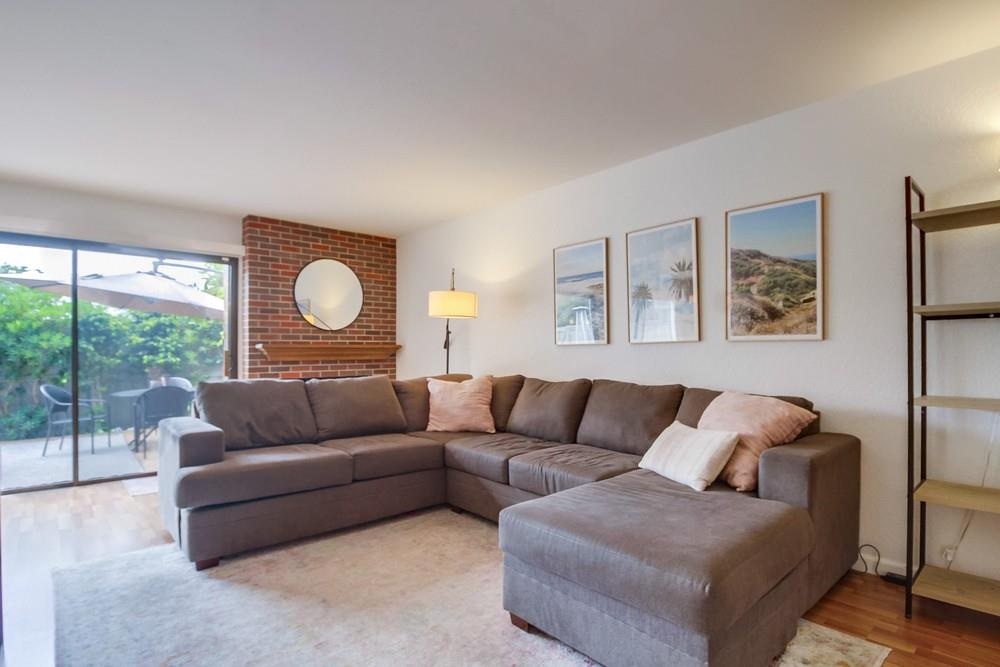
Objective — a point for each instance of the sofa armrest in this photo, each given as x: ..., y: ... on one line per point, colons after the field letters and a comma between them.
x: 822, y: 474
x: 184, y: 442
x: 187, y: 441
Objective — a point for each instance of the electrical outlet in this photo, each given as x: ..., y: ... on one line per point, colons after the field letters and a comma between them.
x: 948, y: 553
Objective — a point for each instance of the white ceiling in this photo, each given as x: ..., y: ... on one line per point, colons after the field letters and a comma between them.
x: 386, y: 115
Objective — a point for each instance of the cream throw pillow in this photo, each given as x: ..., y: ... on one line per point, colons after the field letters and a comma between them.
x: 691, y: 456
x: 461, y: 406
x: 762, y: 422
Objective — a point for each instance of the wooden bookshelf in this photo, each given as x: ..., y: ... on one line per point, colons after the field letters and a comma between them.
x: 958, y: 217
x: 958, y: 403
x: 965, y: 590
x: 921, y: 578
x: 980, y: 309
x: 962, y: 496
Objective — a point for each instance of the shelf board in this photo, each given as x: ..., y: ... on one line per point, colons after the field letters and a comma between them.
x: 962, y: 496
x: 982, y: 308
x: 964, y: 590
x: 958, y: 217
x: 327, y: 351
x: 958, y: 402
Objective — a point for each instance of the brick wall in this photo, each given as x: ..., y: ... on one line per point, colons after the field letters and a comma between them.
x: 275, y: 252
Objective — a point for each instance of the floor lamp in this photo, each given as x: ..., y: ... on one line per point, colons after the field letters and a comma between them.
x: 451, y: 305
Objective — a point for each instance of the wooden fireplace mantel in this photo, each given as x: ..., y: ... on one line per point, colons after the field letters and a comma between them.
x: 327, y: 351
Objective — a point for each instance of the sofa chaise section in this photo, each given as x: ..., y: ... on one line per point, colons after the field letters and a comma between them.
x: 641, y: 570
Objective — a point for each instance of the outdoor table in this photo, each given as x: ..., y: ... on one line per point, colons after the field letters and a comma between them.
x: 120, y: 407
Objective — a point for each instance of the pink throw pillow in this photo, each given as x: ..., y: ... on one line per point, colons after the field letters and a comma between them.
x: 762, y: 423
x: 461, y: 406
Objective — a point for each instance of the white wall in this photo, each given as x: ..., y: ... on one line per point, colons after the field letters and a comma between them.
x: 48, y: 211
x: 942, y: 126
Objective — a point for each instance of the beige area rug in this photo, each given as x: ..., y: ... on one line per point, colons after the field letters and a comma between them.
x: 423, y: 589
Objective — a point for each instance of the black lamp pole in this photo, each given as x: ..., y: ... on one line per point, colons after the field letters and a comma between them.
x: 447, y: 346
x: 447, y: 332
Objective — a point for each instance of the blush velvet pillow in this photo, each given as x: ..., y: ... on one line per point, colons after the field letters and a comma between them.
x: 762, y: 422
x: 461, y: 406
x: 691, y: 456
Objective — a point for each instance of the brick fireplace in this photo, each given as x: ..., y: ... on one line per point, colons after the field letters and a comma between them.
x: 275, y: 252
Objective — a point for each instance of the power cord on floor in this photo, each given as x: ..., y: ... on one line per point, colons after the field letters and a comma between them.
x: 878, y: 557
x: 890, y: 577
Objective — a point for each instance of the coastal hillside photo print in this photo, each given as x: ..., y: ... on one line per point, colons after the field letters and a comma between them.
x: 774, y: 270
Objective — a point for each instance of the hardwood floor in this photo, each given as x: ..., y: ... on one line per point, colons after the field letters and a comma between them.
x: 938, y: 633
x: 51, y: 529
x: 58, y: 528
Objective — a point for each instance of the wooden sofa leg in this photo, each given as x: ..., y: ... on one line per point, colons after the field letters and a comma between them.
x: 520, y: 623
x: 205, y: 564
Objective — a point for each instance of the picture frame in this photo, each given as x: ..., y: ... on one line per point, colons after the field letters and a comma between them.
x: 775, y: 270
x: 663, y: 269
x: 580, y: 293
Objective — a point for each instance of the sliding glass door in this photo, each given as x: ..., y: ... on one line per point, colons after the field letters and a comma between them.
x: 97, y: 345
x: 36, y: 332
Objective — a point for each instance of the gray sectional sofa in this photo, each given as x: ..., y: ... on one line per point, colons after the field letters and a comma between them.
x: 626, y: 566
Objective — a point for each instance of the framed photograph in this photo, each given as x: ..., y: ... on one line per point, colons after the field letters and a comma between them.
x: 581, y: 293
x: 663, y: 283
x: 774, y: 271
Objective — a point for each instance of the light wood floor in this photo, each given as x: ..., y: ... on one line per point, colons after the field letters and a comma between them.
x: 50, y: 529
x: 58, y: 528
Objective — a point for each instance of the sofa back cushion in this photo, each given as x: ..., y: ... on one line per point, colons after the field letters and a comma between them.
x: 627, y: 417
x: 258, y: 413
x: 349, y: 407
x: 415, y: 399
x: 505, y: 392
x: 549, y: 410
x: 696, y: 400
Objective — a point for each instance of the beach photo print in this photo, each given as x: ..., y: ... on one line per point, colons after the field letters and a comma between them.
x: 663, y: 283
x: 581, y: 293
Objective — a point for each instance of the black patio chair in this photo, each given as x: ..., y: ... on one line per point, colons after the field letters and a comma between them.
x: 156, y: 404
x: 183, y: 383
x: 59, y: 406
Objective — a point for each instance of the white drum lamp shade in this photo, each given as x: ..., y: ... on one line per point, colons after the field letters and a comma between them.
x: 452, y: 304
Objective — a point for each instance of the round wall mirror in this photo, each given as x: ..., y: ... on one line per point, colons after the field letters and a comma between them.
x: 328, y: 294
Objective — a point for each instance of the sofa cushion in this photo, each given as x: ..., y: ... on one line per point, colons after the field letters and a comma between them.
x: 461, y: 406
x: 414, y: 398
x: 505, y: 391
x: 260, y: 473
x: 762, y: 422
x: 627, y: 417
x: 563, y: 467
x: 698, y: 560
x: 549, y: 410
x: 691, y: 456
x: 487, y: 455
x: 348, y: 407
x: 443, y: 436
x: 390, y: 454
x: 696, y: 400
x: 258, y: 413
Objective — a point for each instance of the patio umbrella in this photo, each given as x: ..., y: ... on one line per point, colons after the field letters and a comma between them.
x: 143, y: 290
